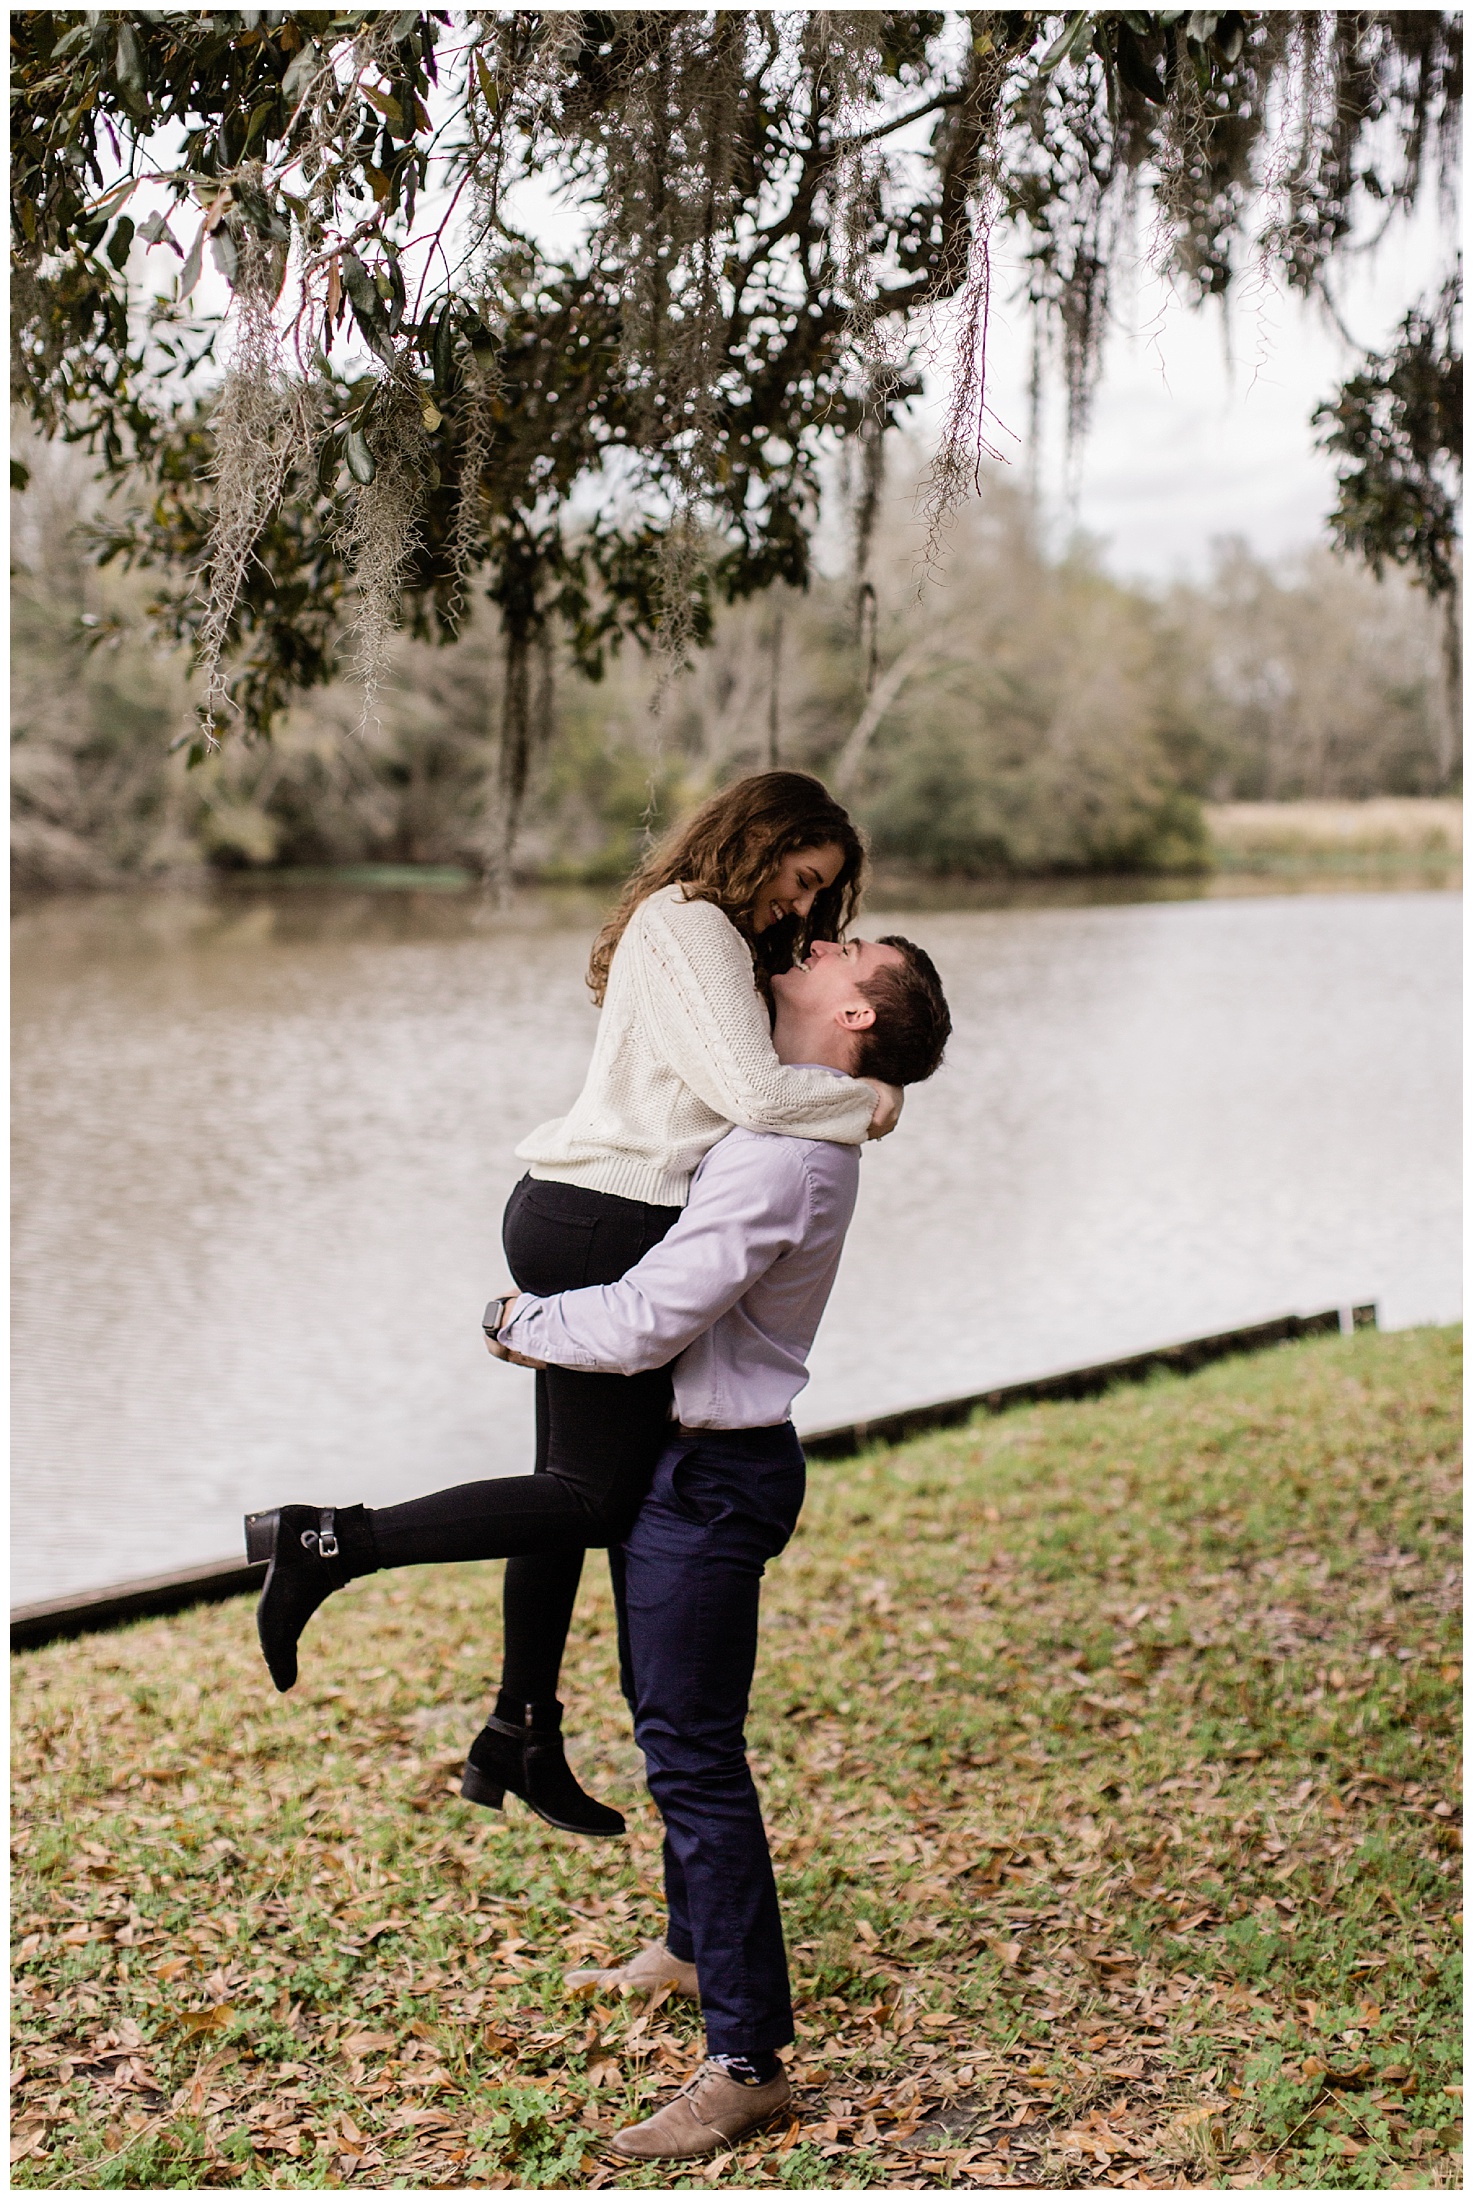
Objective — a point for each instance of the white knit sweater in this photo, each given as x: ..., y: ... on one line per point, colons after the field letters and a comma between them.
x: 683, y: 1052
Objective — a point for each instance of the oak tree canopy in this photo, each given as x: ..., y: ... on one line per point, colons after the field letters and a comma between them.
x: 774, y: 222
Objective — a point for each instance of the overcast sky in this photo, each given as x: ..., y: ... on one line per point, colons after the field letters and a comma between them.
x: 1201, y: 430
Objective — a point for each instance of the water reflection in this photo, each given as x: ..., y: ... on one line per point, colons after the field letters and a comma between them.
x: 262, y: 1144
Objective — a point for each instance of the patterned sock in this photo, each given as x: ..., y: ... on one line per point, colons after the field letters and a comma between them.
x: 750, y: 2069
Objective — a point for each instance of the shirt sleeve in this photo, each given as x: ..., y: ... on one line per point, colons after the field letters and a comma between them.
x: 707, y: 1021
x: 748, y: 1206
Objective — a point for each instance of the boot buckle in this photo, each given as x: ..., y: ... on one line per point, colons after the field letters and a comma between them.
x: 322, y: 1539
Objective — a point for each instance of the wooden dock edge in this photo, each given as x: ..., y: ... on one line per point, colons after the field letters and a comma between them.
x: 93, y: 1611
x: 1083, y: 1382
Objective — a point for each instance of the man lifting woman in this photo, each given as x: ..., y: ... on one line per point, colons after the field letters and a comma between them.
x: 673, y: 1246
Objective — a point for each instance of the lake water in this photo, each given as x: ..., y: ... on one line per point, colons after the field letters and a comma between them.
x: 262, y: 1145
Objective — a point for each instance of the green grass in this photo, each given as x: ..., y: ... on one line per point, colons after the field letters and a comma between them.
x: 1109, y: 1756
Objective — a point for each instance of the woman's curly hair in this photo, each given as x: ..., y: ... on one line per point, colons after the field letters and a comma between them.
x: 727, y: 851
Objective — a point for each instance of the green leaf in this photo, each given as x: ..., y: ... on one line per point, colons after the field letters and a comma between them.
x: 157, y: 231
x: 20, y: 475
x: 1230, y: 37
x: 224, y: 254
x: 397, y: 297
x: 257, y: 123
x: 361, y: 463
x: 113, y: 201
x: 1136, y: 70
x: 368, y: 306
x: 130, y: 65
x: 303, y: 68
x: 359, y: 285
x: 189, y: 273
x: 444, y: 347
x: 487, y: 83
x: 261, y: 214
x: 385, y: 102
x: 120, y: 243
x: 1063, y: 45
x: 329, y: 459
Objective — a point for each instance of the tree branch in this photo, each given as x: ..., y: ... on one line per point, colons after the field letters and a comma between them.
x: 887, y: 691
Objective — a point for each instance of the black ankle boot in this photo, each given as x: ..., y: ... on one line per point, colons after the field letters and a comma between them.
x: 313, y: 1550
x: 527, y: 1757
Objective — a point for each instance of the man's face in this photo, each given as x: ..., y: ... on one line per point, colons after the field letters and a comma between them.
x: 825, y: 988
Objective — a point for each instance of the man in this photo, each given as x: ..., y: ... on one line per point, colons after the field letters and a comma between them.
x: 736, y: 1290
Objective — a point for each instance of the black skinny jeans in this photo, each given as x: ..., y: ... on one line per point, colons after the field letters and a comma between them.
x: 598, y: 1438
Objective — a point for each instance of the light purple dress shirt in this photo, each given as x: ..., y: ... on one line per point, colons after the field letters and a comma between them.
x: 736, y: 1288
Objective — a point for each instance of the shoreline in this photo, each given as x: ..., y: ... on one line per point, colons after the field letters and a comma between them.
x: 889, y: 889
x: 1377, y: 843
x: 118, y: 1604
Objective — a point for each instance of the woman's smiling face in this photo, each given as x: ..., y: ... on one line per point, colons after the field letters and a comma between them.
x: 791, y: 889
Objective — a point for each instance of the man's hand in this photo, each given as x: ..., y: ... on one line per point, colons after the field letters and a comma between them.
x: 887, y: 1114
x: 504, y: 1351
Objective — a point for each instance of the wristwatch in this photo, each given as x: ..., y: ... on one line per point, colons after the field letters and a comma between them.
x: 495, y: 1313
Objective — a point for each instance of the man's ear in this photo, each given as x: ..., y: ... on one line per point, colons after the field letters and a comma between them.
x: 858, y: 1016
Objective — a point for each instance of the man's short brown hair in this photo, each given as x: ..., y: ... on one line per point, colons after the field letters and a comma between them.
x: 905, y: 1043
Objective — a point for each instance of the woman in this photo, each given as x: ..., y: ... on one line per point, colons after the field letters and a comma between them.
x: 683, y: 1052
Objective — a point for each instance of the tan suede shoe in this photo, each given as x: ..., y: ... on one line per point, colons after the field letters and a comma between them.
x: 645, y: 1973
x: 711, y: 2111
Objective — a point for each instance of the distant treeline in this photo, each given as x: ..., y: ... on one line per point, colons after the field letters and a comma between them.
x: 1024, y: 712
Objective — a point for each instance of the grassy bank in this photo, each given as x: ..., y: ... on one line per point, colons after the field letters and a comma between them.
x: 1391, y: 833
x: 1109, y: 1756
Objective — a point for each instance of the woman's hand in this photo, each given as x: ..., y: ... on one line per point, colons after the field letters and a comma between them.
x: 514, y: 1359
x: 887, y: 1114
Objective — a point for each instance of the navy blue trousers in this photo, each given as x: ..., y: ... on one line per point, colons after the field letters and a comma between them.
x: 722, y: 1503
